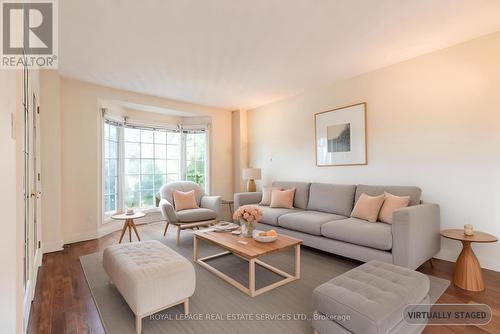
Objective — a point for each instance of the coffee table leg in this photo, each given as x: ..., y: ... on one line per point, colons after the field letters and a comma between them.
x: 123, y: 231
x: 297, y: 261
x: 129, y: 231
x: 195, y: 248
x: 251, y: 277
x: 468, y: 274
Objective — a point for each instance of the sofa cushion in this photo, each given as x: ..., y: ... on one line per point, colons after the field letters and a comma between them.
x: 414, y: 192
x: 374, y: 295
x: 195, y: 215
x: 307, y: 221
x: 332, y: 198
x: 359, y: 232
x: 301, y: 192
x: 270, y: 215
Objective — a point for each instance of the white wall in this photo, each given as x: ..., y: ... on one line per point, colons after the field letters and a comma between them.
x: 8, y: 279
x: 80, y: 124
x: 433, y: 121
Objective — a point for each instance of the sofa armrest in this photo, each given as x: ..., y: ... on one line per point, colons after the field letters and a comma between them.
x: 415, y: 234
x: 241, y: 199
x: 168, y: 211
x: 213, y: 203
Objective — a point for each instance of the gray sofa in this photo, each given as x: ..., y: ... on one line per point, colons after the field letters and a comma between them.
x: 320, y: 218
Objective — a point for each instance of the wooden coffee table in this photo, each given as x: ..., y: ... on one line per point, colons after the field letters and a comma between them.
x: 468, y: 274
x: 251, y: 251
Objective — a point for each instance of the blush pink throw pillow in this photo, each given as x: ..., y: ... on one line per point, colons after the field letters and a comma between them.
x: 282, y: 198
x: 392, y: 203
x: 184, y: 200
x: 367, y: 207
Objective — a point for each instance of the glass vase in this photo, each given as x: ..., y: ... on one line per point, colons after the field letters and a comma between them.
x: 247, y: 228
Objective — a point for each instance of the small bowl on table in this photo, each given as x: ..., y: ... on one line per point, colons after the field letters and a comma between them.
x: 262, y: 238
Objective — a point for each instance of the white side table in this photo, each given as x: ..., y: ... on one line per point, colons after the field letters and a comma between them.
x: 129, y: 223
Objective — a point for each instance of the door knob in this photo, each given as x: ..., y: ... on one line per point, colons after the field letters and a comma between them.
x: 35, y: 194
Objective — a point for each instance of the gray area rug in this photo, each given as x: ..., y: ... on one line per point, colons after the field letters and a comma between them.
x: 216, y: 306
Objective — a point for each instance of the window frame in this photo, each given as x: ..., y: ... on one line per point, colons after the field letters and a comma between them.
x: 119, y: 169
x: 121, y: 125
x: 153, y: 158
x: 196, y: 129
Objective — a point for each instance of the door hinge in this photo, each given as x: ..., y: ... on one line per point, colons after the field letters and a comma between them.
x: 38, y: 109
x: 39, y: 244
x: 38, y: 177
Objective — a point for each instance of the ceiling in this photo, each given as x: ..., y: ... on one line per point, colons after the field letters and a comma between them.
x: 242, y: 54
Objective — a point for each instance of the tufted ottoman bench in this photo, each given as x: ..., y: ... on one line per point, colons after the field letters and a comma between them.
x: 150, y: 277
x: 369, y: 299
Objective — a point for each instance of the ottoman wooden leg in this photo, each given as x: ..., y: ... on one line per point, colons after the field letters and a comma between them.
x: 138, y: 324
x: 186, y: 306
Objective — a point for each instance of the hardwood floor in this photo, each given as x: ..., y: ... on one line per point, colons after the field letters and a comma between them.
x: 63, y: 303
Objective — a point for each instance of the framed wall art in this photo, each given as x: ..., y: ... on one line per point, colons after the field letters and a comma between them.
x: 341, y: 136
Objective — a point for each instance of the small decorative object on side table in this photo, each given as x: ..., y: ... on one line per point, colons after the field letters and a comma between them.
x: 468, y: 274
x: 129, y: 217
x: 248, y: 215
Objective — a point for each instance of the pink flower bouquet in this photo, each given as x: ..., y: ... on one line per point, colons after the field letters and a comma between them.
x: 248, y: 215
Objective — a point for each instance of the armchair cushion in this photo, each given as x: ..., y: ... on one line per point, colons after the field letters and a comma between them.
x: 195, y: 215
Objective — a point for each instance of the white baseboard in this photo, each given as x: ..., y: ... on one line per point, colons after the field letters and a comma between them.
x: 27, y: 305
x: 54, y: 246
x: 30, y: 288
x: 108, y: 228
x: 82, y: 236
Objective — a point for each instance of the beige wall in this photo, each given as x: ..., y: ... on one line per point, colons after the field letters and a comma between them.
x: 51, y: 144
x: 433, y: 121
x: 80, y: 137
x: 240, y: 148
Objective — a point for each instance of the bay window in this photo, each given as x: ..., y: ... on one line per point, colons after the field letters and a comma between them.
x: 139, y: 160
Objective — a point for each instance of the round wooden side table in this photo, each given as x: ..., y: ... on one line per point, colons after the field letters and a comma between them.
x: 129, y: 223
x: 468, y: 274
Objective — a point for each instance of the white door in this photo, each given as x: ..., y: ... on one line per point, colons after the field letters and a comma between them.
x: 32, y: 207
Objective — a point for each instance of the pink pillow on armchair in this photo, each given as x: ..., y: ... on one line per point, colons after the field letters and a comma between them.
x: 184, y: 200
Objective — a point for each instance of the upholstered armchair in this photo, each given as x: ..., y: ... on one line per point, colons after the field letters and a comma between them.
x: 207, y: 213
